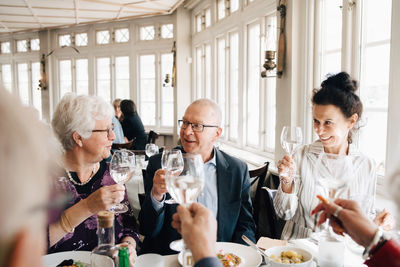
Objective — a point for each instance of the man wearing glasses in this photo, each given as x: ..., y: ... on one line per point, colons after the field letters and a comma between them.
x: 226, y: 192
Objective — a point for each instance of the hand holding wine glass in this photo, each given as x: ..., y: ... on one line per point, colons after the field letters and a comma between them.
x: 122, y: 168
x: 172, y: 161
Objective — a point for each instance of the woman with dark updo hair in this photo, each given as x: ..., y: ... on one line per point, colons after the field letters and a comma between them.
x: 132, y: 124
x: 336, y: 113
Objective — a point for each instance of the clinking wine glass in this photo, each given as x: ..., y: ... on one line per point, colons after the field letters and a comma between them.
x: 291, y: 138
x: 172, y: 161
x: 122, y: 168
x: 151, y: 149
x: 185, y: 187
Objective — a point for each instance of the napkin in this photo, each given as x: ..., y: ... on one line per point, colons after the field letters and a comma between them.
x: 266, y: 243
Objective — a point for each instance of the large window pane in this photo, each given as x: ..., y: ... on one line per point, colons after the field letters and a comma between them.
x: 22, y: 46
x: 221, y: 78
x: 199, y: 72
x: 270, y: 117
x: 5, y: 48
x: 6, y: 76
x: 221, y: 9
x: 81, y: 39
x: 167, y: 92
x: 147, y: 33
x: 35, y: 44
x: 147, y: 89
x: 233, y: 86
x: 64, y: 40
x: 122, y: 77
x: 65, y: 77
x: 103, y: 37
x: 23, y: 83
x: 122, y: 35
x: 82, y: 76
x: 253, y: 85
x: 208, y: 71
x: 167, y: 31
x: 104, y: 78
x: 36, y: 94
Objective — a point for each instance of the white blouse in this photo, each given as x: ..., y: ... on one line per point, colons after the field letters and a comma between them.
x: 296, y: 207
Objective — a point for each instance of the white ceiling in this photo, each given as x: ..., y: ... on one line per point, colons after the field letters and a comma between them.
x: 27, y: 15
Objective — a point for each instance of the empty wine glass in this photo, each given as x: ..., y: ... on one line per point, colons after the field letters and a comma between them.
x: 172, y: 161
x: 151, y: 149
x: 291, y: 138
x: 186, y: 186
x: 122, y: 168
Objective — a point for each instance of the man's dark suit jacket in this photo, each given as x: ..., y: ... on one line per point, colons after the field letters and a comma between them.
x: 234, y: 207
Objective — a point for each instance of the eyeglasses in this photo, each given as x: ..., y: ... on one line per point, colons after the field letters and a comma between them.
x: 196, y: 127
x: 108, y: 131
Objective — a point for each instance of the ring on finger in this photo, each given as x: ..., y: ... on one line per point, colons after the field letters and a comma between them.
x: 337, y: 211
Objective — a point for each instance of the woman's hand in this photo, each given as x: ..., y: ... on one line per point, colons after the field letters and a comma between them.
x: 130, y: 243
x: 385, y: 220
x: 351, y: 219
x: 159, y: 186
x: 286, y: 170
x: 104, y: 198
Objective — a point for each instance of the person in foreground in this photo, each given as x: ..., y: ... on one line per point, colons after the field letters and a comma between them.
x: 198, y: 228
x: 226, y: 192
x: 132, y: 124
x: 336, y: 112
x: 24, y: 183
x: 380, y: 250
x: 82, y: 124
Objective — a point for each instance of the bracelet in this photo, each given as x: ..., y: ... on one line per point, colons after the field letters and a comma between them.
x: 63, y: 225
x: 377, y: 237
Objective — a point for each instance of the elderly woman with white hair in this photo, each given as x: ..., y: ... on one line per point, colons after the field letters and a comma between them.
x: 83, y: 126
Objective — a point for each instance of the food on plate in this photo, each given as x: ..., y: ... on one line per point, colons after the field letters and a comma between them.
x: 229, y: 259
x: 289, y: 256
x: 71, y: 263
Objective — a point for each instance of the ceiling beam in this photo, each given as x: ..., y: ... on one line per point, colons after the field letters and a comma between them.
x: 76, y: 4
x: 28, y: 4
x: 4, y: 26
x: 128, y: 5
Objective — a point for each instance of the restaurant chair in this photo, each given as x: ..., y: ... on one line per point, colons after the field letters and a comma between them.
x: 258, y: 176
x: 127, y: 145
x: 151, y: 138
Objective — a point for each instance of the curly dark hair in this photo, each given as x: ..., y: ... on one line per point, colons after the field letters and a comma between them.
x: 339, y: 90
x: 128, y: 107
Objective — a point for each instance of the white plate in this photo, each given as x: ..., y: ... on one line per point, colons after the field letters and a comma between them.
x: 149, y: 260
x: 52, y: 260
x: 250, y: 257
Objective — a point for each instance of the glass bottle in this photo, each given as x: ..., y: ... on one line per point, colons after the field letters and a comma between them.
x: 123, y: 257
x: 106, y: 239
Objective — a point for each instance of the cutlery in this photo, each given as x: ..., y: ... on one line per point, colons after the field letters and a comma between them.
x: 251, y: 244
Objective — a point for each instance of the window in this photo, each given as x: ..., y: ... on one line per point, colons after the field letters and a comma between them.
x: 81, y: 76
x: 22, y: 46
x: 167, y: 92
x: 5, y: 48
x: 104, y: 78
x: 198, y: 23
x: 234, y: 5
x: 103, y: 37
x: 199, y: 71
x: 23, y: 83
x: 233, y: 121
x: 221, y: 73
x: 167, y: 31
x: 208, y: 17
x: 147, y: 33
x: 221, y: 9
x: 35, y: 44
x: 64, y: 40
x: 147, y: 89
x: 6, y: 76
x: 253, y: 85
x: 207, y: 66
x: 36, y: 94
x: 65, y: 72
x: 122, y: 77
x: 81, y: 39
x: 122, y: 35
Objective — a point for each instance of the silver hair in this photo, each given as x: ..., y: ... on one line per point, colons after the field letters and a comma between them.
x: 24, y: 183
x: 217, y: 114
x: 78, y: 114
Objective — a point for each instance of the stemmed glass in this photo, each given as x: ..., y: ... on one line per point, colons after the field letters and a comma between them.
x: 122, y: 168
x: 151, y: 149
x: 291, y: 138
x: 172, y: 161
x: 186, y: 186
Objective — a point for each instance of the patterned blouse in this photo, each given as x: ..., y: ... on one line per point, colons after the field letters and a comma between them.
x: 296, y: 207
x: 84, y: 236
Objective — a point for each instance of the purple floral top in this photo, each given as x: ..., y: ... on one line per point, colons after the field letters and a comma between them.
x: 84, y: 237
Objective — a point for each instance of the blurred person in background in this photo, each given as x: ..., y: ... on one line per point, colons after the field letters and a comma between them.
x: 117, y: 127
x: 24, y: 183
x: 83, y: 126
x: 117, y: 108
x: 132, y: 124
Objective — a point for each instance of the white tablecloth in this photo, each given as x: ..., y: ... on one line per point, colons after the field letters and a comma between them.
x: 134, y: 187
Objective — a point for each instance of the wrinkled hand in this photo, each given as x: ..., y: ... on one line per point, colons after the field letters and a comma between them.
x: 286, y: 170
x: 350, y: 218
x: 105, y: 197
x: 132, y: 250
x: 385, y: 220
x: 198, y: 228
x: 159, y: 186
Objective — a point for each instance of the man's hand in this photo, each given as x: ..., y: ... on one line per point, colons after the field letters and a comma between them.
x: 159, y: 187
x: 198, y: 228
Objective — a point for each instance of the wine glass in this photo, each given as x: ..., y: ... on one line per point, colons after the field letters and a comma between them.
x: 186, y: 186
x: 291, y: 138
x: 172, y: 161
x: 151, y: 149
x: 122, y: 168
